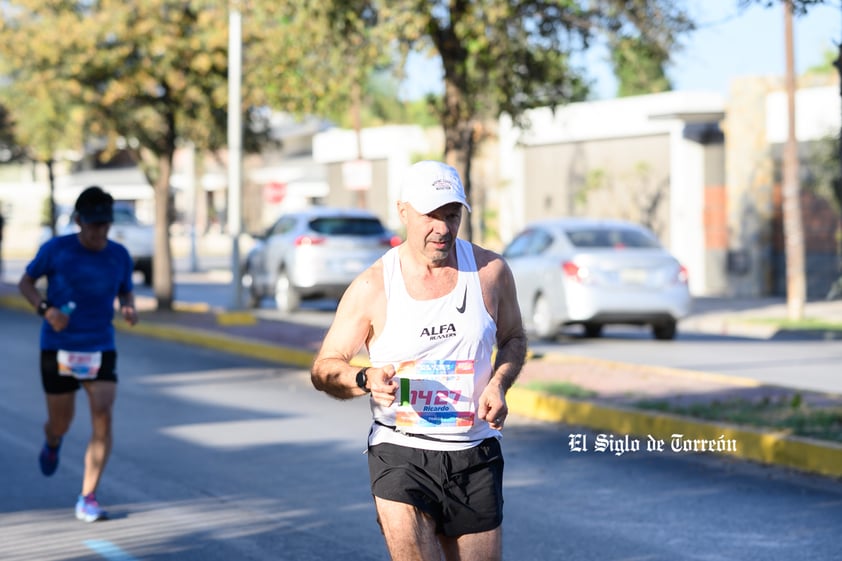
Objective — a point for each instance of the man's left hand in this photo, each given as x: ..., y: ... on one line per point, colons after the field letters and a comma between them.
x: 129, y: 314
x: 492, y: 406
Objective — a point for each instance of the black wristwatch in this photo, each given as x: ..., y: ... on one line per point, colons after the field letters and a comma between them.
x: 43, y: 306
x: 362, y: 380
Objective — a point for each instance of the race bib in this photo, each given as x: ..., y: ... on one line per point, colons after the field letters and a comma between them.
x: 436, y: 396
x: 82, y: 366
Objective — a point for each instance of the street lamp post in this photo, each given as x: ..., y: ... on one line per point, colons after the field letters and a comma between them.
x: 838, y: 64
x: 235, y: 146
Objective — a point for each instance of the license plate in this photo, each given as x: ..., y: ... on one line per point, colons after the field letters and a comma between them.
x: 633, y: 276
x: 348, y: 265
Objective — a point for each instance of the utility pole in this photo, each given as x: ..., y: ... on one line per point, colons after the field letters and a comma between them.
x: 356, y: 110
x: 235, y: 146
x: 793, y: 228
x: 837, y: 181
x: 838, y: 64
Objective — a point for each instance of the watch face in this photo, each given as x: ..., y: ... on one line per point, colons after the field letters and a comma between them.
x: 362, y: 379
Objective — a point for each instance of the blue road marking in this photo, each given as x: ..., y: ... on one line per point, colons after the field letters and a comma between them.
x: 108, y: 550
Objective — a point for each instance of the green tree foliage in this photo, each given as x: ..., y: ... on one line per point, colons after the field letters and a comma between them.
x: 381, y: 105
x: 341, y: 55
x: 150, y: 72
x: 639, y: 67
x: 639, y: 50
x: 145, y: 71
x: 309, y: 57
x: 826, y: 66
x: 507, y: 56
x: 10, y: 148
x: 46, y: 119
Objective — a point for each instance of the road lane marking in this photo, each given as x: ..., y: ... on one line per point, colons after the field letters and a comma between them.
x: 108, y: 550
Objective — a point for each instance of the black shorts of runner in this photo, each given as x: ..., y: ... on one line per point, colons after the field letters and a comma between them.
x: 461, y: 491
x: 54, y: 382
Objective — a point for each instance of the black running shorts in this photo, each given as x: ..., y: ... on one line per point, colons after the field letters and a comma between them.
x: 461, y: 491
x: 53, y: 382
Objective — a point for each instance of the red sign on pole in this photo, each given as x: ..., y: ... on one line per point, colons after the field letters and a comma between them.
x: 274, y: 192
x: 356, y: 175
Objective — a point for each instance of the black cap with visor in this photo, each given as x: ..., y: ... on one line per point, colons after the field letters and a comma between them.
x: 95, y: 206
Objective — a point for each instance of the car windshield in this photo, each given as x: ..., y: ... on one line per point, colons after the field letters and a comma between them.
x: 346, y: 226
x: 611, y: 238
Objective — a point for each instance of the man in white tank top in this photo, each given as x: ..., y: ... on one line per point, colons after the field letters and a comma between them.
x: 430, y: 313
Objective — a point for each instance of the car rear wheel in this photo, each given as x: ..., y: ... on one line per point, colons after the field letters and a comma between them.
x: 146, y: 271
x: 541, y: 319
x: 249, y: 290
x: 665, y: 331
x: 593, y: 330
x: 287, y: 298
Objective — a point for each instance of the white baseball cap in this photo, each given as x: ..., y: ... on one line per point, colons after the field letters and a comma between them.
x: 429, y: 185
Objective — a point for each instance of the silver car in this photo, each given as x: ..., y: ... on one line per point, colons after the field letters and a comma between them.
x: 313, y: 253
x: 577, y: 271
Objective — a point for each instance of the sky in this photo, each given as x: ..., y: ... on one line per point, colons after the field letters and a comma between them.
x: 729, y: 42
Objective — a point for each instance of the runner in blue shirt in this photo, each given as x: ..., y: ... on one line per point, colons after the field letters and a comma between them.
x: 85, y: 273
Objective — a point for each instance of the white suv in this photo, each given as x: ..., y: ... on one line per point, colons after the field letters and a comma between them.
x: 139, y: 239
x: 313, y: 253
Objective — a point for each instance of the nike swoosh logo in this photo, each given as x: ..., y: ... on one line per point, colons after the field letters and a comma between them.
x: 461, y: 309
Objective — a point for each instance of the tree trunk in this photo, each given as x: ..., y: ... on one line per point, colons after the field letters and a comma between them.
x: 793, y: 229
x: 162, y: 273
x: 459, y: 147
x: 52, y: 180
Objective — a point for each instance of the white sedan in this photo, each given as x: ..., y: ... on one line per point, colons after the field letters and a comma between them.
x: 579, y: 271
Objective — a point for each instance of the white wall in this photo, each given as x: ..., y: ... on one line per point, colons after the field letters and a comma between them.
x: 817, y: 114
x: 396, y: 144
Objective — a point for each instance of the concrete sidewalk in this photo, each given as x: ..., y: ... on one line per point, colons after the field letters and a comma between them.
x: 613, y: 387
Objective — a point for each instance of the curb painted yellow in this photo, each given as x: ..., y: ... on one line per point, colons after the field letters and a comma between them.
x: 777, y: 448
x: 15, y: 303
x: 226, y: 343
x: 192, y: 307
x: 235, y: 318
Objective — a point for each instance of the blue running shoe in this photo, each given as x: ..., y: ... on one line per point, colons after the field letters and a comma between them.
x: 88, y: 510
x: 48, y: 459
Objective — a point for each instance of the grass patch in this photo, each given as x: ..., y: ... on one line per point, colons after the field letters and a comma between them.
x: 560, y: 389
x: 806, y: 324
x: 789, y: 414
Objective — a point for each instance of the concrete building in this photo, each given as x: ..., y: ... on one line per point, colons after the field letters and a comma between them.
x: 755, y: 130
x: 653, y: 159
x: 387, y: 152
x: 702, y: 171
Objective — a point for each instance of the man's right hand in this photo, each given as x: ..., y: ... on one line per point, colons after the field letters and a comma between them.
x: 382, y: 384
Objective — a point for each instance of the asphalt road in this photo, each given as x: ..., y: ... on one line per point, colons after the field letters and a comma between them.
x: 224, y: 458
